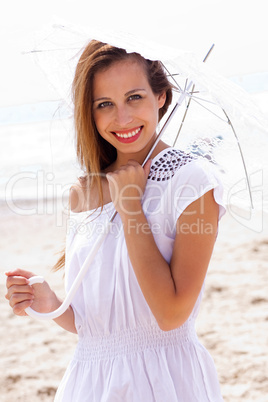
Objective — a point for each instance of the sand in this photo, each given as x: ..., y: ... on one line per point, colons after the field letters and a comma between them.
x: 233, y: 321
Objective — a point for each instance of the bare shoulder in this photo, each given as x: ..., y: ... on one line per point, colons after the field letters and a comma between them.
x: 84, y: 194
x: 79, y: 194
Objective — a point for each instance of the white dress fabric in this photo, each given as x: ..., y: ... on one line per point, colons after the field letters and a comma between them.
x: 122, y: 355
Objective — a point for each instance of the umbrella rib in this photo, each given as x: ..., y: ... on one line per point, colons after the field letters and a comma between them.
x: 184, y: 117
x: 234, y: 132
x: 172, y: 76
x: 202, y: 99
x: 191, y: 97
x: 209, y: 110
x: 50, y: 50
x: 242, y: 156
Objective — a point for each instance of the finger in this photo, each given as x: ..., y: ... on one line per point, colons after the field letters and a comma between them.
x: 19, y: 308
x: 133, y: 162
x: 16, y: 280
x: 26, y: 289
x: 18, y: 298
x: 19, y: 272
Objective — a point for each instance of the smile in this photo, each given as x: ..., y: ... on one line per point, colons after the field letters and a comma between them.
x: 128, y: 136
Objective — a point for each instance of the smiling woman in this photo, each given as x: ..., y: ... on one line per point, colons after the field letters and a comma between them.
x: 136, y: 307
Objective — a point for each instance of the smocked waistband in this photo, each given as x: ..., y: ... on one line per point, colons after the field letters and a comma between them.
x: 125, y: 342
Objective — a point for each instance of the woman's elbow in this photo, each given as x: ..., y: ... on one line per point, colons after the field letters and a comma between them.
x: 172, y: 321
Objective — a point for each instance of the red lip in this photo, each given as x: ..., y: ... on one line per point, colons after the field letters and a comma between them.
x: 128, y: 140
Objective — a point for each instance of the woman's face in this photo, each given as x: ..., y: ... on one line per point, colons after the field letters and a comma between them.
x: 125, y: 109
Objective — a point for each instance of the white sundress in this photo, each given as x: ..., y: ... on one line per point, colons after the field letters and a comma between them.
x: 122, y: 355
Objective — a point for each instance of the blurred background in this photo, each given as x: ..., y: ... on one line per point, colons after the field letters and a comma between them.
x: 38, y: 165
x: 34, y: 134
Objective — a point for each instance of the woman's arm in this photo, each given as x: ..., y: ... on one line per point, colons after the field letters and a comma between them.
x: 40, y: 297
x: 170, y: 290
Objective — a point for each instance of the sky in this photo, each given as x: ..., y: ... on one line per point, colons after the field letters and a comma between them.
x: 237, y: 27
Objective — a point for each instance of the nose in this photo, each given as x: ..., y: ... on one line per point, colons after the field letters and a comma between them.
x: 123, y: 115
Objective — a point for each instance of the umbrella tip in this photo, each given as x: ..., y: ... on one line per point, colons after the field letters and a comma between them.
x: 208, y: 53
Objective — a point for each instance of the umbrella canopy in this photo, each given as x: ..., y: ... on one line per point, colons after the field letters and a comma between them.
x: 219, y: 108
x: 58, y: 46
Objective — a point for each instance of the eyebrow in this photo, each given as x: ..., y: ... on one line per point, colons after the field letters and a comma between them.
x: 132, y: 91
x: 101, y: 99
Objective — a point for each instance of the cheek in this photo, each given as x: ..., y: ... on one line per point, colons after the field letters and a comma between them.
x: 153, y: 112
x: 99, y: 121
x: 101, y: 124
x: 150, y: 111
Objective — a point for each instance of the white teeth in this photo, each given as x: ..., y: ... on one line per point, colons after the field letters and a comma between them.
x: 130, y: 134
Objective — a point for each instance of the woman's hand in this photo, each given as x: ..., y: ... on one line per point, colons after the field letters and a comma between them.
x: 21, y: 295
x: 127, y: 186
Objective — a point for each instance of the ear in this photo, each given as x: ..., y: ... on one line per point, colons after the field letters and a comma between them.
x: 162, y: 99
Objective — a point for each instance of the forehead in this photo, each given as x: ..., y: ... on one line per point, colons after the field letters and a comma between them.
x: 120, y: 75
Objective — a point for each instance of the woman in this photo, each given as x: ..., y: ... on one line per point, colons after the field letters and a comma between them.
x: 135, y: 310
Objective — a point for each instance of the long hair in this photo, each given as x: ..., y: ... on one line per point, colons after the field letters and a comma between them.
x: 93, y: 152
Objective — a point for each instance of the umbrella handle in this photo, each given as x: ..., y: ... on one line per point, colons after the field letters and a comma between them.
x: 39, y: 279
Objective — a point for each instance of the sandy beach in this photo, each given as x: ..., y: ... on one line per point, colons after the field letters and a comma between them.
x: 232, y: 324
